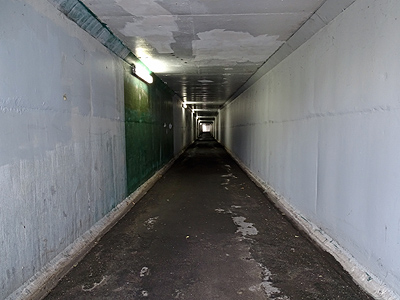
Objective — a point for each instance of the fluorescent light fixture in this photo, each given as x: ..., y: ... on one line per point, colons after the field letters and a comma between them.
x: 205, y: 109
x: 141, y: 73
x: 205, y: 102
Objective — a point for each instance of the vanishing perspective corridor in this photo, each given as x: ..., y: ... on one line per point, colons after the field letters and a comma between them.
x: 203, y: 232
x: 199, y: 149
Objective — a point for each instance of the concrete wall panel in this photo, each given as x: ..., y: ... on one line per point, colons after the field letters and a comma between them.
x: 183, y: 126
x: 149, y: 128
x: 62, y: 150
x: 322, y: 129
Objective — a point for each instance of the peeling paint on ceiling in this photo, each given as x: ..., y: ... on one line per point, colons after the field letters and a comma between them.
x: 156, y: 30
x: 151, y: 22
x: 142, y: 7
x: 207, y: 50
x: 221, y: 47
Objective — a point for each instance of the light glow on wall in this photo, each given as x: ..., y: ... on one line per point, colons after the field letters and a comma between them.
x: 155, y: 65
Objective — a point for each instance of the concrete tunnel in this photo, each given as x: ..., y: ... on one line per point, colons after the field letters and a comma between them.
x: 311, y: 114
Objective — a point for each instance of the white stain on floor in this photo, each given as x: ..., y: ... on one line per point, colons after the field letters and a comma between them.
x: 178, y: 294
x: 145, y: 271
x: 244, y: 228
x: 222, y: 211
x: 150, y: 222
x: 227, y: 175
x: 267, y: 287
x: 94, y: 285
x: 247, y: 229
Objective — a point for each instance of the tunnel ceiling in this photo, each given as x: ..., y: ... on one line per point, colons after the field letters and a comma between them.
x: 206, y: 50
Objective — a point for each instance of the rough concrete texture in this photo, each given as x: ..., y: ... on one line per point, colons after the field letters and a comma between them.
x: 204, y: 231
x: 183, y: 128
x: 321, y: 129
x: 62, y: 149
x: 188, y: 41
x: 148, y: 128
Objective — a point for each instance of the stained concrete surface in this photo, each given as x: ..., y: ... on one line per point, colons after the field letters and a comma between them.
x: 205, y: 231
x: 186, y: 42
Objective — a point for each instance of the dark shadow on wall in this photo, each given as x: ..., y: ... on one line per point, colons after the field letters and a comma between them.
x: 148, y: 128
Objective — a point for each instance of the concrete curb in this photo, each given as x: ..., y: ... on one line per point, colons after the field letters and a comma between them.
x: 365, y: 279
x: 39, y: 285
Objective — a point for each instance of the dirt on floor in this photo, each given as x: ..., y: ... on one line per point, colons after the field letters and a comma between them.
x: 203, y: 232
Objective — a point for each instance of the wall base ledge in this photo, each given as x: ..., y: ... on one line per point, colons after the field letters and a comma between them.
x: 365, y: 279
x: 39, y: 285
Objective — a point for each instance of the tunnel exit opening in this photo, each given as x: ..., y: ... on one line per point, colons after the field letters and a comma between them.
x: 205, y: 127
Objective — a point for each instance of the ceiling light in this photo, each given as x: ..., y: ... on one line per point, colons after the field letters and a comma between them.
x: 142, y: 73
x: 205, y: 109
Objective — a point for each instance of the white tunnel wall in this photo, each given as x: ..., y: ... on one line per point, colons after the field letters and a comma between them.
x: 183, y: 126
x: 62, y: 151
x: 323, y: 129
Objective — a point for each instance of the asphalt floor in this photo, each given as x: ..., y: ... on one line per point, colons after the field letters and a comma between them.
x: 205, y: 231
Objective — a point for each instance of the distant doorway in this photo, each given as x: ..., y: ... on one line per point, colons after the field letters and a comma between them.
x: 206, y: 127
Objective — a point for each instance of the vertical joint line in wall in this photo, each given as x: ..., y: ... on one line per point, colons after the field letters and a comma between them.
x: 91, y: 95
x: 316, y: 174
